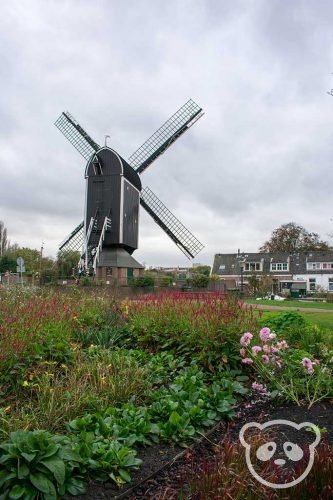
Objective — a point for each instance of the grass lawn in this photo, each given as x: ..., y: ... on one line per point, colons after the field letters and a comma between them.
x: 292, y: 303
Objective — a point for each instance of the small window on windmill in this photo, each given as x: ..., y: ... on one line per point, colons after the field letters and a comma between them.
x: 222, y: 267
x: 109, y: 271
x: 97, y: 166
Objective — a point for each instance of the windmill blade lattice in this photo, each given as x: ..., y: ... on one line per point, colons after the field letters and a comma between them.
x: 73, y: 242
x: 173, y: 128
x: 183, y: 238
x: 76, y: 135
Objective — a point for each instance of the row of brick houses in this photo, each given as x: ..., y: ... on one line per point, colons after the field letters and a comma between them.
x: 303, y: 272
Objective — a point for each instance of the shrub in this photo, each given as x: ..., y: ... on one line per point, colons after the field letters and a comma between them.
x: 146, y: 281
x: 285, y: 322
x: 199, y: 280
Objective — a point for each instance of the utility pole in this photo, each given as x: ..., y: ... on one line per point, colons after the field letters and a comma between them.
x: 40, y: 263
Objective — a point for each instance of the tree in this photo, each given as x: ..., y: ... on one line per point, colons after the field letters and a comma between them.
x: 7, y: 264
x: 291, y: 238
x: 67, y: 263
x: 3, y: 239
x: 201, y: 270
x: 199, y: 280
x: 29, y: 255
x: 260, y: 285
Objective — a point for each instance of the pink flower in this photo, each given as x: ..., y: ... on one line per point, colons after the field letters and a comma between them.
x: 277, y: 362
x: 256, y: 349
x: 246, y: 339
x: 308, y: 365
x: 261, y: 388
x: 275, y: 350
x: 265, y: 359
x: 306, y: 362
x: 266, y: 348
x: 242, y: 352
x: 247, y: 361
x: 282, y: 345
x: 264, y: 334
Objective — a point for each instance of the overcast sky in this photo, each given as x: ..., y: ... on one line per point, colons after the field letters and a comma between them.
x: 261, y: 155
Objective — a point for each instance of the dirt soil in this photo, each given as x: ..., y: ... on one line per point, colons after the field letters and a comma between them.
x: 165, y: 466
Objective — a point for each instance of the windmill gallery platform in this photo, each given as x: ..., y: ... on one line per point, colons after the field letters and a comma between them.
x: 108, y: 235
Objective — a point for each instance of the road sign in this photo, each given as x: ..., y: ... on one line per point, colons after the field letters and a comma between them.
x: 20, y: 265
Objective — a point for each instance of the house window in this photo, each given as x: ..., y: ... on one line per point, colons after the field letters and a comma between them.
x: 330, y: 284
x: 252, y: 266
x: 279, y: 266
x: 313, y: 266
x: 312, y: 284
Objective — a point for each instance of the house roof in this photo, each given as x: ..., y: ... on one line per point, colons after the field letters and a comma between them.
x: 230, y: 264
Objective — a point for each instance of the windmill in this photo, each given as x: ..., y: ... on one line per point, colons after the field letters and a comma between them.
x: 109, y: 233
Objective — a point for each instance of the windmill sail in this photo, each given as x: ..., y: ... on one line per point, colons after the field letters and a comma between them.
x: 173, y: 128
x: 76, y: 135
x: 74, y: 241
x: 183, y: 238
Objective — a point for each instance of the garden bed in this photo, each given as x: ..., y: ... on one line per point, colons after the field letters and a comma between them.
x: 103, y: 396
x: 166, y: 470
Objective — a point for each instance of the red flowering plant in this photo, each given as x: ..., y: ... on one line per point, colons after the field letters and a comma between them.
x: 202, y: 325
x: 289, y: 372
x: 26, y: 319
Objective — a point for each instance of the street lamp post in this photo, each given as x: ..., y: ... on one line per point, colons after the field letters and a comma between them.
x: 241, y: 280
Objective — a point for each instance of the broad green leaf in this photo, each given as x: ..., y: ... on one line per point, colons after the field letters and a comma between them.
x: 28, y: 456
x: 17, y: 492
x: 5, y: 476
x: 71, y: 455
x: 22, y: 471
x: 57, y: 467
x: 174, y: 418
x: 75, y: 486
x: 40, y: 482
x: 124, y: 475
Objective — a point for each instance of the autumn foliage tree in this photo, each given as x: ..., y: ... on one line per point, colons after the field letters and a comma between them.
x: 291, y: 238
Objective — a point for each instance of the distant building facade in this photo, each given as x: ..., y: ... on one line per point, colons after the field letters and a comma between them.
x: 307, y: 272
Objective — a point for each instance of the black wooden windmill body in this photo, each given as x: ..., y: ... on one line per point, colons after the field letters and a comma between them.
x: 109, y: 233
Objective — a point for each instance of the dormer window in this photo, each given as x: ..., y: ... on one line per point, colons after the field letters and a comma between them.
x: 279, y: 266
x: 253, y: 266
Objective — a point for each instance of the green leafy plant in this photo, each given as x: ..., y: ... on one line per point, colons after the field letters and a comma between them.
x: 36, y: 465
x: 146, y: 281
x: 104, y: 458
